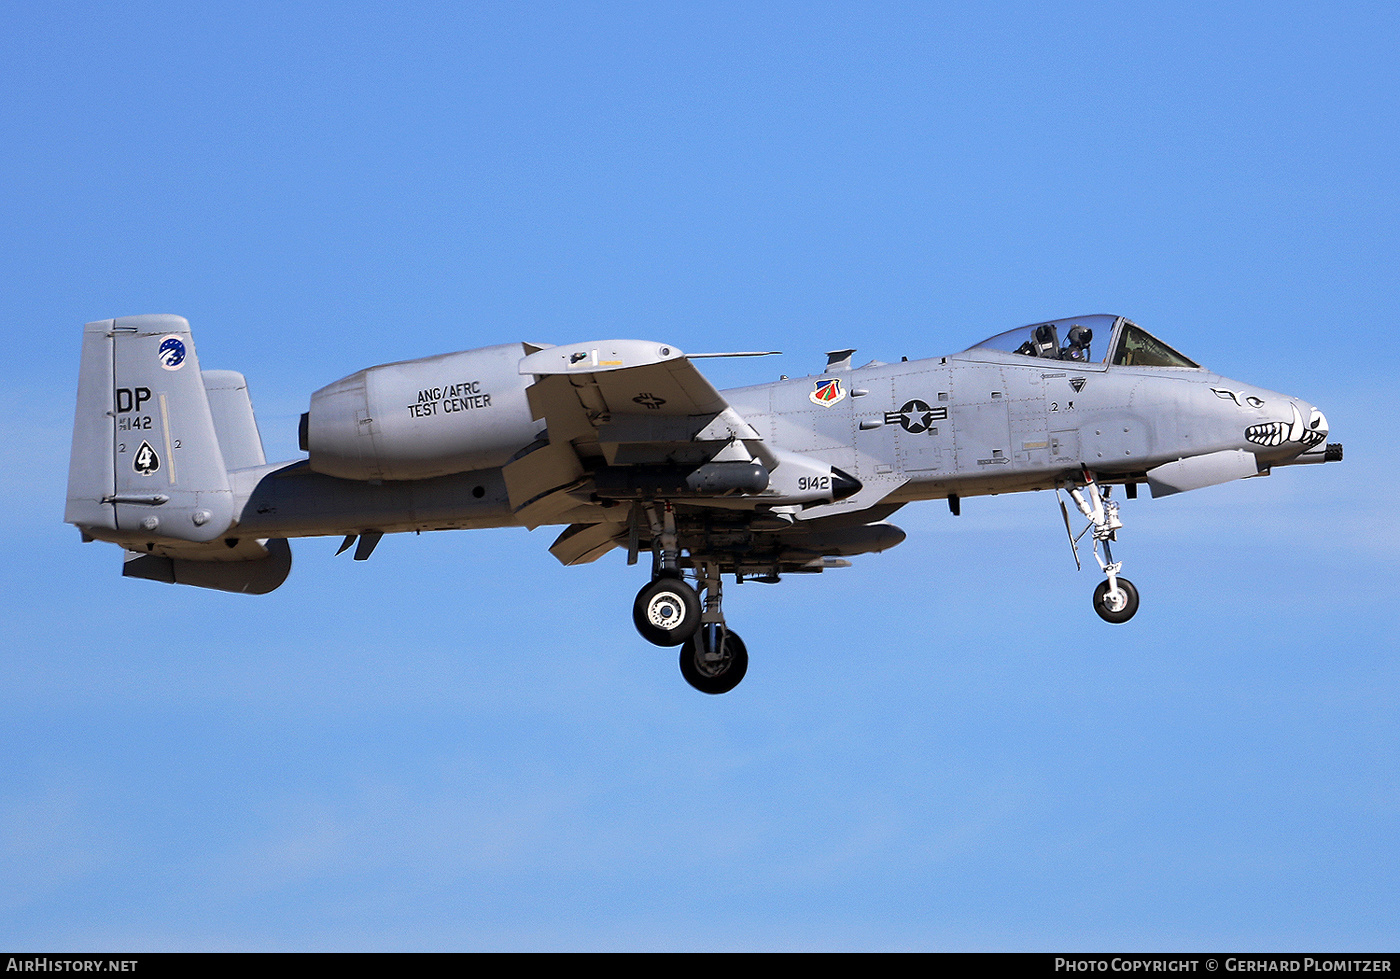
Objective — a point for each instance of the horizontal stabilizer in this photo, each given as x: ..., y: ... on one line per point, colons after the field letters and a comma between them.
x: 250, y: 577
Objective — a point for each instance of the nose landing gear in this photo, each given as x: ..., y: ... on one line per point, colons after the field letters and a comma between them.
x: 1116, y: 607
x: 1116, y: 599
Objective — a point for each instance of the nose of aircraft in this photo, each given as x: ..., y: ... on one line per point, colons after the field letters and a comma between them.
x: 1298, y: 428
x: 1292, y: 428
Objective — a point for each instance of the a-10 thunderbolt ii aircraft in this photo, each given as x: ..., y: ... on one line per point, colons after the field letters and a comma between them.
x: 626, y: 444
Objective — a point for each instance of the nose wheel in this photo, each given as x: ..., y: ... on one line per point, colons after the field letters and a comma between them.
x: 1119, y: 606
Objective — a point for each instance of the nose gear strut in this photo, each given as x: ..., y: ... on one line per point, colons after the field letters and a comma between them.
x: 1115, y: 600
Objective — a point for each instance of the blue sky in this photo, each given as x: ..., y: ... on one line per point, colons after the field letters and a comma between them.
x: 460, y: 744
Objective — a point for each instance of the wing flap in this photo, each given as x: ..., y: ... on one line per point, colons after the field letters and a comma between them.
x: 586, y: 543
x: 540, y: 484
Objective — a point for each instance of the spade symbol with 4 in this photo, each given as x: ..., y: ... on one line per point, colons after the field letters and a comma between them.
x: 146, y: 460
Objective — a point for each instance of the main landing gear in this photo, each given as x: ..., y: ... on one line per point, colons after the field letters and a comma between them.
x: 1116, y: 599
x: 669, y: 612
x: 714, y: 660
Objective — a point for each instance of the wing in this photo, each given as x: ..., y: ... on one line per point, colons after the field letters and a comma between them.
x: 607, y: 395
x: 612, y: 408
x: 635, y: 421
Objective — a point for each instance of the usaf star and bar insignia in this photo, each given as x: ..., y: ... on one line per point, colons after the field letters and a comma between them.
x: 916, y: 416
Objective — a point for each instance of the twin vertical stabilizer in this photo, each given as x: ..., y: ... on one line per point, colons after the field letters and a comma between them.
x: 146, y: 458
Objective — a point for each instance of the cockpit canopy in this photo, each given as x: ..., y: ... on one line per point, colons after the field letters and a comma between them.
x: 1124, y: 343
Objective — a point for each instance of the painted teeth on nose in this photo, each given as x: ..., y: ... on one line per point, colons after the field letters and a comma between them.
x: 1277, y: 433
x: 1295, y: 434
x: 1269, y: 433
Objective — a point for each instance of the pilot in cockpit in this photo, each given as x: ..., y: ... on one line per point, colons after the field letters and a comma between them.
x: 1077, y: 343
x: 1043, y: 343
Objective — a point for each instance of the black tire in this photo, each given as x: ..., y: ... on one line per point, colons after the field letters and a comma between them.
x: 666, y: 612
x: 714, y: 677
x: 1123, y: 614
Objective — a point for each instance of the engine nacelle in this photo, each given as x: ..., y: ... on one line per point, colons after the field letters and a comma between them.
x: 422, y: 418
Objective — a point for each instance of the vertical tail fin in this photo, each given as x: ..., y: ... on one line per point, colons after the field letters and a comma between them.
x: 234, y: 424
x: 91, y: 469
x: 146, y: 458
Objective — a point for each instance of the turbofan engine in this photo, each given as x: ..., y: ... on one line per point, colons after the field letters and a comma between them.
x: 422, y: 418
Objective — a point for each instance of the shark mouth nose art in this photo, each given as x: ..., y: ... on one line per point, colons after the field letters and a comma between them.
x: 1277, y: 433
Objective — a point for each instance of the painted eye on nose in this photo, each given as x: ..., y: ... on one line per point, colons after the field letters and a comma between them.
x: 1318, y: 422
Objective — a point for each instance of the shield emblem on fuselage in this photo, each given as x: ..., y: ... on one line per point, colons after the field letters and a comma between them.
x: 827, y: 392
